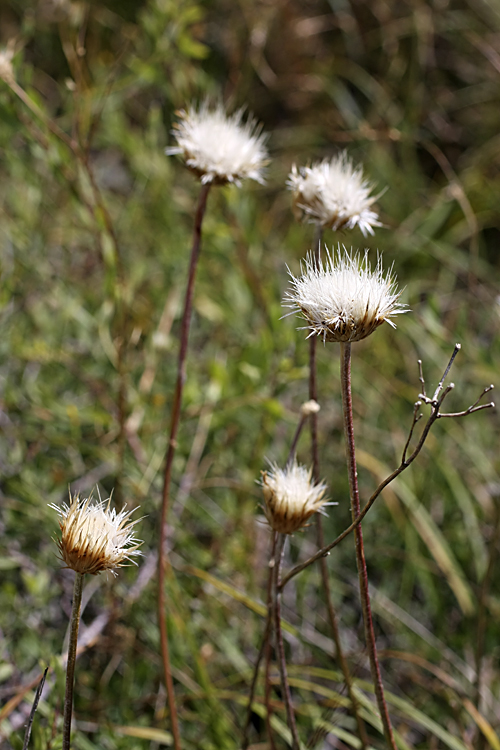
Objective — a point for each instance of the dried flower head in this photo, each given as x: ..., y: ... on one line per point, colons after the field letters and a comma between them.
x: 95, y: 537
x: 344, y: 300
x: 333, y: 194
x: 219, y: 148
x: 291, y: 497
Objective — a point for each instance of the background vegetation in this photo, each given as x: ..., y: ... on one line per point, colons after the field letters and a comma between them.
x: 94, y: 245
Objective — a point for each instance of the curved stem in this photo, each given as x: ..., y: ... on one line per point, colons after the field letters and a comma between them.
x: 70, y: 667
x: 172, y: 445
x: 345, y: 378
x: 280, y: 650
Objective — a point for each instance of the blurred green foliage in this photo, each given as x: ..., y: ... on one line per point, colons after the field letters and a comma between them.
x: 93, y: 260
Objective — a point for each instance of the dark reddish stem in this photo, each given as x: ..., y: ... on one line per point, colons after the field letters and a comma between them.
x: 332, y: 618
x: 280, y: 649
x: 172, y: 445
x: 345, y: 379
x: 265, y: 649
x: 70, y: 667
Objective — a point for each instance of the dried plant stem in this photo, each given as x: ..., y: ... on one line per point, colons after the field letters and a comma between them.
x: 280, y: 650
x: 332, y: 618
x: 70, y: 667
x: 34, y: 707
x: 265, y: 649
x: 172, y: 444
x: 345, y: 378
x: 435, y: 402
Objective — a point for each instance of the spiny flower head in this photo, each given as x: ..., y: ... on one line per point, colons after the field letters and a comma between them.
x: 219, y: 148
x: 290, y: 496
x: 94, y: 537
x: 333, y: 194
x: 343, y: 299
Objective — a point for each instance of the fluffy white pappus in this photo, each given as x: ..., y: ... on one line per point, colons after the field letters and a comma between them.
x: 343, y: 299
x: 334, y: 194
x: 219, y: 148
x: 291, y: 497
x: 95, y: 537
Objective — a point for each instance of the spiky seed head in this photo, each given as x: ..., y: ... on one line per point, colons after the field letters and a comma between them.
x: 343, y: 299
x: 333, y: 194
x: 94, y: 537
x: 219, y: 148
x: 291, y: 497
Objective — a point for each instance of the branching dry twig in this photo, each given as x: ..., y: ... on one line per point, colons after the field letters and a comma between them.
x: 435, y: 403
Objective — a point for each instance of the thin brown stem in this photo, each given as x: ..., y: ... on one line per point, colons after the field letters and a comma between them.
x: 172, y: 445
x: 293, y: 447
x: 265, y: 648
x: 280, y: 650
x: 70, y: 667
x: 332, y: 618
x: 345, y: 379
x: 269, y: 646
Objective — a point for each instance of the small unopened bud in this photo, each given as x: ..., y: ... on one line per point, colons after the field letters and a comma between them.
x: 310, y: 407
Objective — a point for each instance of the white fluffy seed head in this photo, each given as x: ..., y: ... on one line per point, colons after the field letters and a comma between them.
x: 219, y: 148
x: 95, y: 537
x: 333, y: 194
x: 291, y: 497
x: 343, y: 299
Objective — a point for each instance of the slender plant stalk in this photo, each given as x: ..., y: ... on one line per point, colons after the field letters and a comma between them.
x: 268, y: 644
x: 313, y: 394
x: 265, y: 649
x: 345, y: 378
x: 172, y: 445
x: 280, y: 650
x: 267, y: 687
x: 313, y: 420
x: 70, y: 667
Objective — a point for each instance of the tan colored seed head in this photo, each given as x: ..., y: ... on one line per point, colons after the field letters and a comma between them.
x: 94, y: 537
x: 291, y: 497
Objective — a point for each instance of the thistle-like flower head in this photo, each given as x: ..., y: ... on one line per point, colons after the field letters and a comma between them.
x: 95, y: 537
x: 291, y: 497
x: 333, y: 194
x: 343, y: 299
x: 219, y: 148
